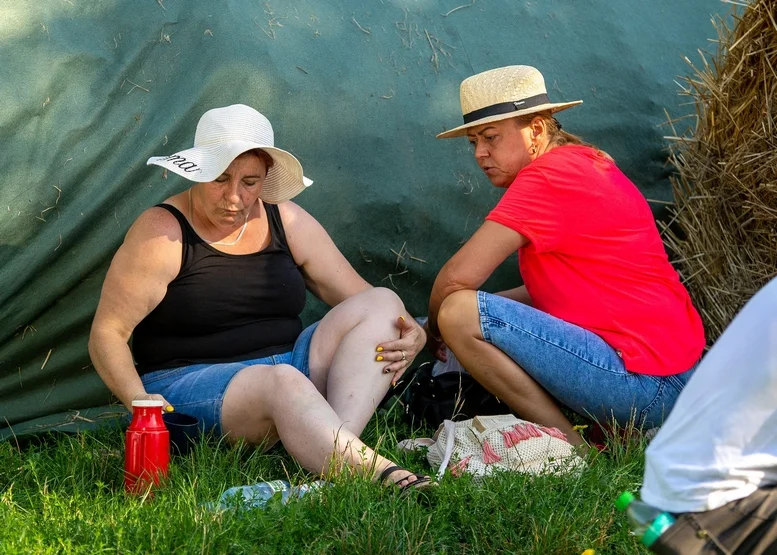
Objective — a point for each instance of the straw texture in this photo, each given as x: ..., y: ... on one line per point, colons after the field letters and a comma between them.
x: 496, y: 86
x: 725, y: 188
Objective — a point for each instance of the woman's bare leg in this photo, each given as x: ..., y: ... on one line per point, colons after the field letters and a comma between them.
x: 265, y: 403
x: 342, y: 354
x: 459, y: 323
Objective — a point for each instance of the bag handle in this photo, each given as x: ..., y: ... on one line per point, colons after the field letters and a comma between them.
x: 450, y: 437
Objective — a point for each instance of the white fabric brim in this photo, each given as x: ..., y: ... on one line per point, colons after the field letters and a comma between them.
x: 205, y: 163
x: 461, y: 130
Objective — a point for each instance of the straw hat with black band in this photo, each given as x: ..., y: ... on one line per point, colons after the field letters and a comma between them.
x: 225, y: 133
x: 501, y: 93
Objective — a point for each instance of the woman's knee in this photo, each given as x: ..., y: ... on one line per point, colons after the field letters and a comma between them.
x: 381, y: 297
x: 459, y: 316
x: 376, y: 305
x: 254, y: 397
x: 264, y: 385
x: 285, y: 379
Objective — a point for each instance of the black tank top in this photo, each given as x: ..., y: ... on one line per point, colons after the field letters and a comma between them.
x: 224, y: 307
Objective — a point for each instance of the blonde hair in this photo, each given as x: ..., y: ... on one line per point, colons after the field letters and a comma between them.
x: 557, y: 136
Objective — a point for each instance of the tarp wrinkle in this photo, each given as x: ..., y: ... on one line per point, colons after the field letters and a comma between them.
x: 92, y: 90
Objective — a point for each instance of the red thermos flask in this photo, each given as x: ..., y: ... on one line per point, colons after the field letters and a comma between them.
x: 147, y: 453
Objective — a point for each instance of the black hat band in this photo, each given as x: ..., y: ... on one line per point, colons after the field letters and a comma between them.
x: 507, y: 107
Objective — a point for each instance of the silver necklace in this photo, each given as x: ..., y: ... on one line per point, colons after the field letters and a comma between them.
x: 224, y: 243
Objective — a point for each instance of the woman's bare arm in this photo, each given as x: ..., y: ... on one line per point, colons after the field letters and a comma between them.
x: 328, y: 275
x: 136, y: 282
x: 472, y: 265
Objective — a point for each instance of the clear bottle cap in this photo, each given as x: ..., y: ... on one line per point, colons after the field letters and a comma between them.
x: 147, y: 403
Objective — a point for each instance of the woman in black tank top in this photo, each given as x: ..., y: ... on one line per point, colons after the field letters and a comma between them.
x: 209, y: 287
x: 256, y: 316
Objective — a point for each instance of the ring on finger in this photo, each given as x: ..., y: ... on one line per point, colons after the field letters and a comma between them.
x: 404, y: 356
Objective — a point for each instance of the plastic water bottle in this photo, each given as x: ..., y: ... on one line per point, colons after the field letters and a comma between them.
x: 647, y: 522
x: 257, y: 495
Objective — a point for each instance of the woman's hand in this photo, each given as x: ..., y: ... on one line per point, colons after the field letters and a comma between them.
x: 166, y: 407
x: 401, y: 352
x: 436, y: 346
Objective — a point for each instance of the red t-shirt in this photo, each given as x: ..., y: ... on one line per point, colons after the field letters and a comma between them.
x: 595, y: 259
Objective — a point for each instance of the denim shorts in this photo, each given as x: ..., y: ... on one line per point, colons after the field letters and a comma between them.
x: 198, y: 389
x: 576, y: 366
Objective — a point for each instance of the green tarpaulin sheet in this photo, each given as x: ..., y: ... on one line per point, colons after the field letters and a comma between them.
x: 357, y: 90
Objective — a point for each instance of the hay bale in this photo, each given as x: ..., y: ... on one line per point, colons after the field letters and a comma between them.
x: 725, y: 188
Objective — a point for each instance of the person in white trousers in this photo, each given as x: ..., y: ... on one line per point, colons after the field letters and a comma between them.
x: 714, y: 460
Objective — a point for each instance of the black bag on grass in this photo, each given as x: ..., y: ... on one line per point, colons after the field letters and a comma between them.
x: 429, y: 400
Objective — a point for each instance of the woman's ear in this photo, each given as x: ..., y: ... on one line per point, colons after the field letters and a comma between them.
x: 537, y: 127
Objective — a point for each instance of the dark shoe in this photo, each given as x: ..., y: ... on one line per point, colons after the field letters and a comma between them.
x: 421, y: 482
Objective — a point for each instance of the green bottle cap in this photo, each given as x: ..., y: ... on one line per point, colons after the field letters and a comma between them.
x: 659, y: 525
x: 624, y: 501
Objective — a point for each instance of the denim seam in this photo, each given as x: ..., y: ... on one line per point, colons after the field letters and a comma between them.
x: 164, y: 374
x: 305, y: 362
x: 675, y: 381
x: 527, y: 332
x: 305, y: 370
x: 483, y: 313
x: 661, y: 385
x: 217, y: 406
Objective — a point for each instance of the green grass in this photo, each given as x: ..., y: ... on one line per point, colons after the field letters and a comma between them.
x: 63, y: 494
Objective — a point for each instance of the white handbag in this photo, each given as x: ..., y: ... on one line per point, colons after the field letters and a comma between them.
x: 485, y: 444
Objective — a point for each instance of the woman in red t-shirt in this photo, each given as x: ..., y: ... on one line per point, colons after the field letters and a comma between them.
x: 602, y: 323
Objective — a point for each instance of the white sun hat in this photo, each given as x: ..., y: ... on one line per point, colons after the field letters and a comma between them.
x: 501, y: 93
x: 225, y: 133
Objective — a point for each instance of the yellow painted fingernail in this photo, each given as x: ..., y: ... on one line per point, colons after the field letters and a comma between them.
x: 169, y: 408
x: 379, y: 349
x: 378, y: 358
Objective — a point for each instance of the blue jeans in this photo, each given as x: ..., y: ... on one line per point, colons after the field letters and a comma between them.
x: 577, y: 367
x: 198, y: 389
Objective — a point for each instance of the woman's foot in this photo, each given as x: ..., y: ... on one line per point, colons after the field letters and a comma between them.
x: 404, y: 479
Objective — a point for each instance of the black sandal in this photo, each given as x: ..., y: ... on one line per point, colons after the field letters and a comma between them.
x: 421, y: 482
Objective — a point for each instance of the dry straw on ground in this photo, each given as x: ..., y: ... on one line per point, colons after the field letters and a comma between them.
x: 726, y: 184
